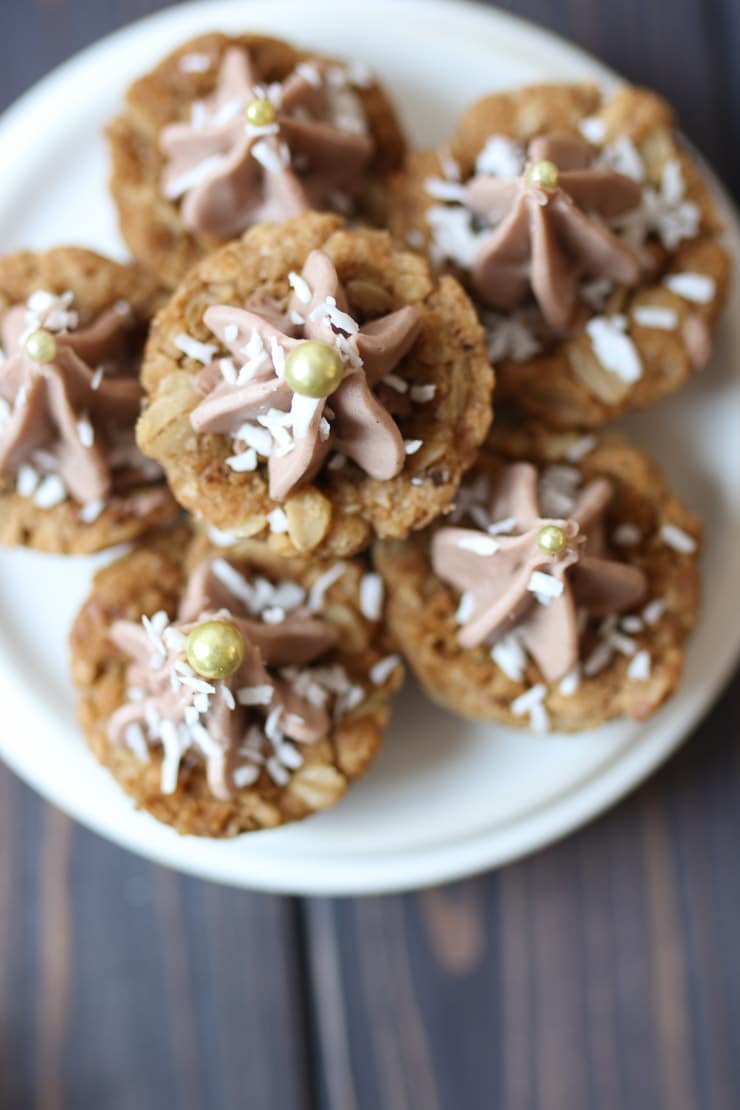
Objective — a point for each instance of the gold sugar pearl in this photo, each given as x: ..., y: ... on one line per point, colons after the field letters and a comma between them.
x: 260, y: 112
x: 215, y: 649
x: 551, y: 539
x: 41, y: 346
x: 314, y: 369
x: 544, y: 174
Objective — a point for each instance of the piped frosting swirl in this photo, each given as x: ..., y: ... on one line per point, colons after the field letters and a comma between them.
x: 308, y: 147
x: 249, y: 398
x: 278, y: 698
x: 69, y: 400
x: 535, y: 574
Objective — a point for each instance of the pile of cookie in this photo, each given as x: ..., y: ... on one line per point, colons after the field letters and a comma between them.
x: 284, y: 406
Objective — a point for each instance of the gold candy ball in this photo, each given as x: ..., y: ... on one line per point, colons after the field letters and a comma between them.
x: 215, y: 649
x: 41, y: 346
x: 551, y: 539
x: 314, y: 369
x: 260, y: 112
x: 545, y: 174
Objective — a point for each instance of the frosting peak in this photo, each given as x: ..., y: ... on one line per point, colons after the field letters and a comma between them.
x: 536, y: 576
x: 268, y: 701
x: 57, y: 410
x: 256, y: 405
x: 550, y: 228
x: 254, y: 152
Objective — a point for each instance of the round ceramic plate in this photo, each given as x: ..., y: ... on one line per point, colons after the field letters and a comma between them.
x: 445, y: 798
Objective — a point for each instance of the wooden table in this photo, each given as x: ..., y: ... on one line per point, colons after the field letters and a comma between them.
x: 603, y: 973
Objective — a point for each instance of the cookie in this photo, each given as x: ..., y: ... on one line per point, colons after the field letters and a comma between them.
x: 72, y: 327
x: 264, y: 724
x: 247, y: 441
x: 560, y: 592
x: 589, y: 239
x: 231, y: 130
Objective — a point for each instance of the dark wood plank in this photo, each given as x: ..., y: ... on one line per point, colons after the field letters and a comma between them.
x: 601, y: 973
x: 126, y: 986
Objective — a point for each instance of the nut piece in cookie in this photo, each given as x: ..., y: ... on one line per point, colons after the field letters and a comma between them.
x: 587, y: 238
x: 230, y: 131
x: 560, y: 594
x: 224, y: 698
x: 312, y: 386
x: 72, y: 329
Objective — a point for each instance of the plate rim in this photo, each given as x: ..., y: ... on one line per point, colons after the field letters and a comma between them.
x: 496, y: 846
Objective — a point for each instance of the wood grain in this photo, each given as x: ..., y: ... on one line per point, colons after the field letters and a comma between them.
x: 601, y: 974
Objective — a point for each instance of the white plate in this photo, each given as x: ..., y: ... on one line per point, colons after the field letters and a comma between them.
x: 445, y: 798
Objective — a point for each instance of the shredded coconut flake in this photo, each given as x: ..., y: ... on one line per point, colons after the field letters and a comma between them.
x: 699, y: 288
x: 445, y: 190
x: 323, y: 583
x: 531, y: 703
x: 195, y: 63
x: 623, y: 156
x: 193, y: 348
x: 453, y: 235
x: 85, y: 432
x: 466, y: 608
x: 639, y: 667
x: 254, y: 695
x: 593, y: 129
x: 479, y: 544
x: 655, y: 316
x: 545, y: 587
x: 501, y: 157
x: 509, y: 655
x: 422, y: 394
x: 570, y: 682
x: 259, y: 439
x: 613, y: 347
x: 653, y: 611
x: 191, y: 178
x: 245, y: 460
x: 372, y: 593
x: 411, y: 446
x: 381, y: 671
x: 300, y: 287
x: 626, y: 535
x: 582, y: 447
x: 502, y: 527
x: 600, y: 657
x: 51, y: 491
x: 27, y: 480
x: 510, y: 336
x: 270, y: 155
x: 277, y: 521
x: 675, y: 537
x: 91, y: 511
x: 396, y: 383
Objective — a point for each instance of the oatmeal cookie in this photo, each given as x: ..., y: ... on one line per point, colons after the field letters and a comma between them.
x: 380, y: 453
x: 273, y: 741
x: 572, y: 609
x: 72, y: 327
x: 190, y: 172
x: 589, y: 239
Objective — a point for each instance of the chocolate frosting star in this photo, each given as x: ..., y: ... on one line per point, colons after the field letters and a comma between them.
x: 545, y: 241
x: 233, y: 174
x: 48, y: 401
x: 500, y: 581
x: 351, y: 420
x: 223, y: 727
